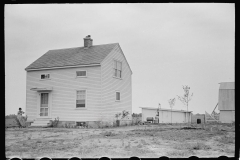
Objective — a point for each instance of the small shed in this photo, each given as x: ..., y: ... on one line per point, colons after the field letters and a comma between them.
x: 226, y: 102
x: 166, y: 115
x: 198, y: 118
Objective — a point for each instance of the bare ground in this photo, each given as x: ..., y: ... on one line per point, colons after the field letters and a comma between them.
x: 142, y: 141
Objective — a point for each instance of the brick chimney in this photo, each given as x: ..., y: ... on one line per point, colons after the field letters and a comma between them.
x: 87, y: 41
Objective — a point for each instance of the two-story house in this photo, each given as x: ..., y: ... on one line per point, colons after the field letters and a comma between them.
x: 83, y: 84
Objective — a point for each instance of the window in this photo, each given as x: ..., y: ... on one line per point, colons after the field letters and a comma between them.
x: 117, y: 96
x: 45, y: 76
x: 81, y: 73
x: 81, y: 99
x: 117, y: 69
x: 44, y: 104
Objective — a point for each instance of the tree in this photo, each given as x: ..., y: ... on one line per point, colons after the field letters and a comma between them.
x: 171, y: 103
x: 186, y: 98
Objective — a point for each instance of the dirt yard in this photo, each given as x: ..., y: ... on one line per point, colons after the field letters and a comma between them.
x: 143, y: 141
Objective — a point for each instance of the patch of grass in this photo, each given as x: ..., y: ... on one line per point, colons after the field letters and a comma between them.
x: 139, y: 146
x: 7, y: 149
x: 17, y: 148
x: 192, y: 146
x: 108, y: 134
x: 178, y: 153
x: 143, y: 142
x: 199, y: 146
x: 226, y: 140
x: 85, y: 150
x: 139, y: 151
x: 38, y: 141
x: 228, y: 150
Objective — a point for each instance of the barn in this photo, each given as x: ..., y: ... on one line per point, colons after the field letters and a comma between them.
x: 166, y: 115
x: 226, y: 102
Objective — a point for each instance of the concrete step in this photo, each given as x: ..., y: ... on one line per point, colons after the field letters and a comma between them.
x: 38, y: 122
x: 36, y: 126
x: 41, y: 122
x: 43, y: 119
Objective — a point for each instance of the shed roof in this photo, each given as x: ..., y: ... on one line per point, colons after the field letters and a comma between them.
x: 227, y: 85
x: 73, y: 56
x: 163, y: 109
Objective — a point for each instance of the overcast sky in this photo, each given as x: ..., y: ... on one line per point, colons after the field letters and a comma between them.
x: 167, y: 46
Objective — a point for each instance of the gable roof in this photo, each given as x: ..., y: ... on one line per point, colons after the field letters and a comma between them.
x: 72, y: 57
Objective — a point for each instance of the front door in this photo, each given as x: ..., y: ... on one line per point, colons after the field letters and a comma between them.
x: 44, y: 105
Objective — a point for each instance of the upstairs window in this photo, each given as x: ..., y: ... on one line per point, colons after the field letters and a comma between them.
x: 81, y: 73
x: 117, y: 69
x: 81, y: 99
x: 45, y: 76
x: 117, y: 96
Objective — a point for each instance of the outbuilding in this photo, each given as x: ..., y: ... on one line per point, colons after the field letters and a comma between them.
x: 198, y: 118
x: 226, y: 102
x: 166, y: 115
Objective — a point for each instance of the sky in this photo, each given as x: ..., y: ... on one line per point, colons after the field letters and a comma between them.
x: 167, y: 45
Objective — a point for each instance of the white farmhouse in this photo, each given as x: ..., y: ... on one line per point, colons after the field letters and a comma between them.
x: 82, y: 84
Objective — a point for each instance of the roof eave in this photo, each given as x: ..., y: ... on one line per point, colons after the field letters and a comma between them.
x: 62, y: 67
x: 118, y: 45
x: 163, y: 109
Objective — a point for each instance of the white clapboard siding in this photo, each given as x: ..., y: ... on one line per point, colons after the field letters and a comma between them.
x: 65, y: 84
x: 110, y: 85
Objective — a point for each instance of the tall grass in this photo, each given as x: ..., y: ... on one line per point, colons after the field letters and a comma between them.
x: 226, y: 140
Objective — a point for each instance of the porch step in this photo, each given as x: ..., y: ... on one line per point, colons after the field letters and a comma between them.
x: 41, y: 122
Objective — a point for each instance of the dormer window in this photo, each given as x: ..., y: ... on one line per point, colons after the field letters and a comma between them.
x: 81, y: 73
x: 117, y: 69
x: 45, y: 76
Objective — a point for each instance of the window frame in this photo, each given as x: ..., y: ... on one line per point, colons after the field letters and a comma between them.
x: 44, y: 107
x: 81, y: 76
x: 116, y: 69
x: 117, y: 100
x: 84, y: 99
x: 45, y: 75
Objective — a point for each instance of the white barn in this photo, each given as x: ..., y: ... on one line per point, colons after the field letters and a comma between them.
x: 226, y: 102
x: 90, y: 83
x: 178, y: 116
